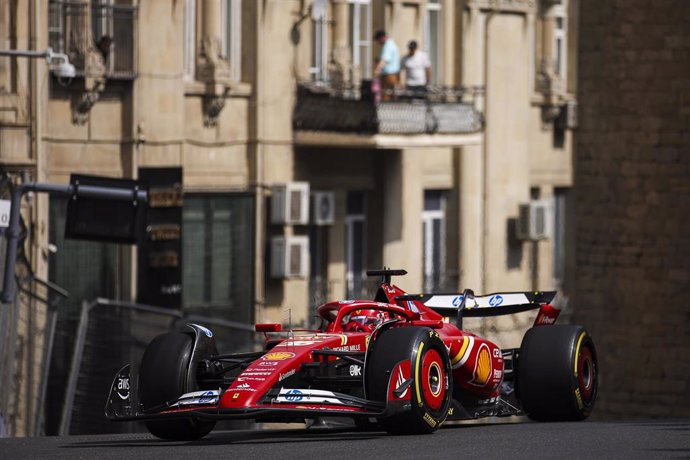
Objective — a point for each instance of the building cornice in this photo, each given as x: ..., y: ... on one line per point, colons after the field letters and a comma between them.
x: 508, y: 6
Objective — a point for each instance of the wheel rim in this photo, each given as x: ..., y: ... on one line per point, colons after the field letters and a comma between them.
x: 433, y: 379
x: 586, y: 374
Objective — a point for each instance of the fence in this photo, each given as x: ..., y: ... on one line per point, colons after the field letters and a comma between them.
x: 112, y: 333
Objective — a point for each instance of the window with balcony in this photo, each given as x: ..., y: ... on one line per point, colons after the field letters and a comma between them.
x: 434, y: 240
x: 361, y: 36
x: 433, y: 39
x: 231, y: 27
x: 103, y: 26
x: 189, y: 39
x: 355, y: 244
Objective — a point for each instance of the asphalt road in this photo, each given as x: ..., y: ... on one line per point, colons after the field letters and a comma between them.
x: 625, y: 440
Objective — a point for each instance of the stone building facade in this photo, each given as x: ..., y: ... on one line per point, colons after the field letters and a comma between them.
x: 632, y: 179
x: 239, y: 94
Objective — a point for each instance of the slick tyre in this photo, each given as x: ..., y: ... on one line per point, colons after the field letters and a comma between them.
x: 163, y: 378
x: 429, y: 389
x: 558, y: 373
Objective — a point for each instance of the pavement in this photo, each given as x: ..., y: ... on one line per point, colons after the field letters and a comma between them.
x: 611, y: 440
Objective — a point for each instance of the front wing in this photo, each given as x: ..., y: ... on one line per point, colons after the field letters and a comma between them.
x: 287, y: 403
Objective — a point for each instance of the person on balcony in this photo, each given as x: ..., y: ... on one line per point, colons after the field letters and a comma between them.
x: 388, y: 66
x: 417, y: 69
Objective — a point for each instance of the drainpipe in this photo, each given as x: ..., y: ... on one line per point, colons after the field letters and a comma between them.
x: 485, y: 153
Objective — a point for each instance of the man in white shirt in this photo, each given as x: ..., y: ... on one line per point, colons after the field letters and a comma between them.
x: 417, y: 69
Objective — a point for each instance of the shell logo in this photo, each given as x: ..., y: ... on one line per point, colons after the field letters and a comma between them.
x: 278, y: 356
x: 482, y: 368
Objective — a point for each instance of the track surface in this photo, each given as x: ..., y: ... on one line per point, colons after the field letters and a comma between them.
x: 635, y: 439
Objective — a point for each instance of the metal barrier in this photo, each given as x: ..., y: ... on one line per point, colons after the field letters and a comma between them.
x: 112, y: 333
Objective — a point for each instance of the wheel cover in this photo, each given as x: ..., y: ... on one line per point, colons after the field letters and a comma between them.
x: 433, y: 379
x: 586, y: 374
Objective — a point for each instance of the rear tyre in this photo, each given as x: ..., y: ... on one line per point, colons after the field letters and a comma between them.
x: 430, y: 390
x: 558, y: 373
x: 163, y: 378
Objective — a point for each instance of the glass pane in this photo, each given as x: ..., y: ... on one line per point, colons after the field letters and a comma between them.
x: 434, y: 45
x: 355, y: 203
x: 218, y: 255
x: 433, y: 200
x: 559, y: 55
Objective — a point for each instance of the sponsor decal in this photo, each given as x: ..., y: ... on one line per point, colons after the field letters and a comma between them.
x: 278, y: 356
x: 482, y: 368
x: 251, y: 379
x: 235, y: 396
x: 497, y: 353
x: 488, y: 401
x: 430, y: 420
x: 254, y: 372
x: 123, y: 387
x: 296, y: 343
x: 207, y: 397
x: 349, y: 348
x: 346, y: 302
x: 546, y: 320
x: 244, y: 387
x: 307, y: 396
x: 197, y: 398
x: 269, y: 363
x: 457, y: 300
x: 578, y: 397
x: 497, y: 374
x: 286, y: 375
x: 293, y: 396
x: 400, y: 380
x: 495, y: 300
x: 412, y: 306
x: 355, y: 370
x: 451, y: 410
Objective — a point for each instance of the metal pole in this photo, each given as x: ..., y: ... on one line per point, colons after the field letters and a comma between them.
x: 21, y: 53
x: 66, y: 417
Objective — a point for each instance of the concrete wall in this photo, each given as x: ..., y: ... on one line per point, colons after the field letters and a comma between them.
x: 633, y: 201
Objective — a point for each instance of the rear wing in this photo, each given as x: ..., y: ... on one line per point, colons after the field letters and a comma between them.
x: 470, y: 306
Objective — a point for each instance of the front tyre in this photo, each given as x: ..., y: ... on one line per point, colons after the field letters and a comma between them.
x: 163, y: 377
x: 558, y: 373
x: 430, y: 380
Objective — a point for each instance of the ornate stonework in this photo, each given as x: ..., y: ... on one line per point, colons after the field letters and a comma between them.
x: 520, y: 6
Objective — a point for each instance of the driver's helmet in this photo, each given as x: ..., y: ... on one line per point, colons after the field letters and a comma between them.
x: 364, y: 320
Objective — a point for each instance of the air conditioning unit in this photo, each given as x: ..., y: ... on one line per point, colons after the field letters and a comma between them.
x: 533, y: 223
x: 322, y: 208
x: 290, y: 203
x: 289, y: 257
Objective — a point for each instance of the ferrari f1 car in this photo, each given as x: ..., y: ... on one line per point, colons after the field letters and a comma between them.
x: 395, y: 363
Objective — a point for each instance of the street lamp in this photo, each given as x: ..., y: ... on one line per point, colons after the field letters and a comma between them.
x: 58, y: 63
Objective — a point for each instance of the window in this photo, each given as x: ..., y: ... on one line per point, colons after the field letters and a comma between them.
x: 355, y: 244
x: 559, y: 234
x: 361, y: 36
x: 319, y: 58
x: 434, y: 235
x: 218, y: 255
x: 189, y: 37
x: 559, y: 42
x: 232, y: 35
x: 433, y: 39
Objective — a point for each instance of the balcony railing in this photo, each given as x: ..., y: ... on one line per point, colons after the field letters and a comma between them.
x: 438, y: 110
x: 109, y: 30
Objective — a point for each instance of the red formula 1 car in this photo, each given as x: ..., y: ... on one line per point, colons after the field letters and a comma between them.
x: 394, y: 363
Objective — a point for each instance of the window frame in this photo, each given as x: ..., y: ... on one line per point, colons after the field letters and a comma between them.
x: 231, y: 36
x: 350, y: 220
x: 435, y: 56
x: 429, y: 216
x: 357, y: 10
x: 189, y: 18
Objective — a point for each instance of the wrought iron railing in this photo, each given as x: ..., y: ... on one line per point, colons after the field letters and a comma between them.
x: 435, y: 110
x: 106, y: 29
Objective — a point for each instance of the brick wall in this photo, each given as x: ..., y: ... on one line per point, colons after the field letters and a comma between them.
x: 633, y: 202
